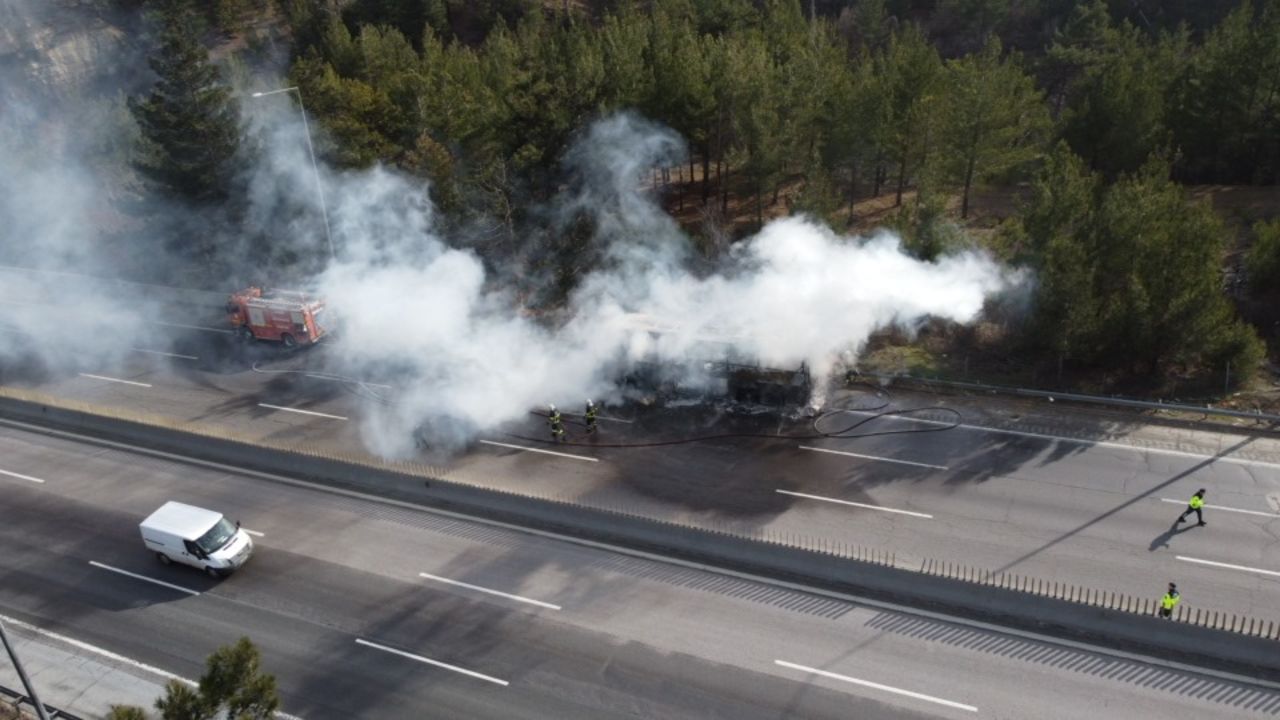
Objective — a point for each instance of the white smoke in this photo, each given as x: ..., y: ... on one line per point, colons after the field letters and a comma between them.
x: 468, y: 358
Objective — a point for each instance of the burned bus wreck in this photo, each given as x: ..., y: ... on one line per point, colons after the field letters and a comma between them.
x: 664, y: 365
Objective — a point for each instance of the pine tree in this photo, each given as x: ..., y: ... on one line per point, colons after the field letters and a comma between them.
x: 993, y: 118
x: 190, y: 125
x: 233, y: 686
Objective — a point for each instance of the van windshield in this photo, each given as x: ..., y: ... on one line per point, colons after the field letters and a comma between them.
x: 217, y: 537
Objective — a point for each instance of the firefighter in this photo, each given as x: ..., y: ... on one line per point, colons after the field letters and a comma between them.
x: 591, y: 415
x: 556, y: 423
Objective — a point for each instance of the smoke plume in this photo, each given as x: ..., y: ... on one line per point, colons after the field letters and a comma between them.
x: 468, y: 358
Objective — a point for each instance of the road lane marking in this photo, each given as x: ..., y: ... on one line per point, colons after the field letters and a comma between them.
x: 303, y: 412
x: 429, y: 661
x: 855, y: 504
x: 876, y: 686
x: 477, y: 588
x: 1048, y: 641
x: 20, y: 476
x: 115, y: 380
x: 165, y: 354
x: 1228, y: 566
x: 333, y: 378
x: 1077, y: 441
x: 255, y: 533
x: 536, y: 450
x: 97, y: 564
x: 1225, y: 509
x: 195, y: 327
x: 873, y: 457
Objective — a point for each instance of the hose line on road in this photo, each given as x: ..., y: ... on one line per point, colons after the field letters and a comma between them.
x: 845, y: 433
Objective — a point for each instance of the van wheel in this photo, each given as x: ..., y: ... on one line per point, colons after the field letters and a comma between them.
x: 288, y: 341
x: 213, y: 572
x: 164, y: 559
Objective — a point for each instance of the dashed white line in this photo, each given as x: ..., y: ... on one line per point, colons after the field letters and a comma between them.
x: 302, y: 412
x: 1224, y: 509
x: 171, y: 586
x: 195, y: 327
x: 115, y: 380
x: 254, y: 533
x: 499, y: 593
x: 876, y: 686
x: 1229, y: 566
x: 429, y: 661
x: 20, y: 476
x: 165, y: 354
x: 873, y: 457
x: 855, y: 504
x: 537, y: 450
x: 332, y: 378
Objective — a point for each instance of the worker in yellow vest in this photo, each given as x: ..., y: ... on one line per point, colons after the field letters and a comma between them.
x: 1194, y: 505
x: 1169, y: 601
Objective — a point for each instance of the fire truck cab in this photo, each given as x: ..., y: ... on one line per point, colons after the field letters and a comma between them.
x: 287, y: 317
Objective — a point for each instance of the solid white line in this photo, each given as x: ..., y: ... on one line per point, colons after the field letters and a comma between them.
x: 1225, y: 509
x: 114, y: 380
x: 195, y: 327
x: 21, y: 476
x: 429, y: 661
x: 115, y: 657
x: 477, y: 588
x: 876, y: 686
x: 165, y: 354
x: 303, y: 412
x: 1078, y: 441
x: 544, y: 452
x: 347, y: 380
x: 255, y: 533
x: 855, y: 504
x: 97, y: 564
x: 873, y: 457
x: 858, y: 600
x: 1228, y: 566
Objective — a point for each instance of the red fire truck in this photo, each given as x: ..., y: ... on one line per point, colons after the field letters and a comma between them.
x: 290, y: 318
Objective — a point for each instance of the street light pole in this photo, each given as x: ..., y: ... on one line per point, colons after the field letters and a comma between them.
x: 22, y: 675
x: 315, y: 168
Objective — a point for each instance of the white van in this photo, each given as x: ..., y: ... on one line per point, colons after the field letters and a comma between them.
x: 197, y: 537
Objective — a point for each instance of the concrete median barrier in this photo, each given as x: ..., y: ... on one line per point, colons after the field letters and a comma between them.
x: 1238, y: 644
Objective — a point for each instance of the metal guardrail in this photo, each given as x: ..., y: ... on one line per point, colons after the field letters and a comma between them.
x: 1081, y: 398
x: 19, y: 700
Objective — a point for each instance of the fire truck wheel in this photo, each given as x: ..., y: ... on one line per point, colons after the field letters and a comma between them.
x: 288, y: 341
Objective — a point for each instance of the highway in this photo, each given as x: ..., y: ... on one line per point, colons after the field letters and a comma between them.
x: 1036, y: 502
x: 371, y: 609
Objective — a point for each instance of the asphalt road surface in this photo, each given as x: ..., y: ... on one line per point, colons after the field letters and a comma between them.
x: 1034, y: 501
x: 368, y: 609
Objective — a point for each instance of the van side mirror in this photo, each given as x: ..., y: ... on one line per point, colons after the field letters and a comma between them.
x: 237, y: 524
